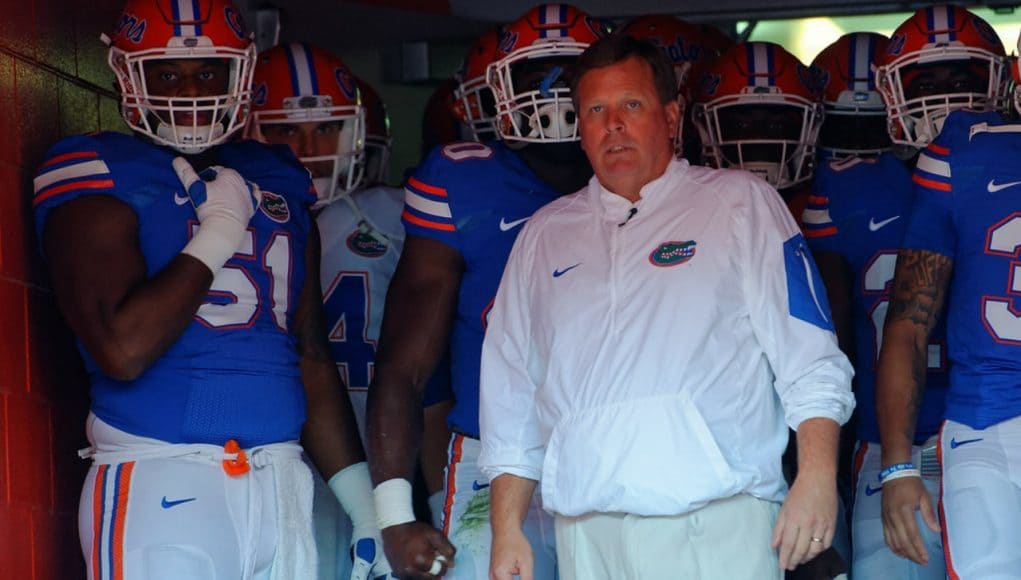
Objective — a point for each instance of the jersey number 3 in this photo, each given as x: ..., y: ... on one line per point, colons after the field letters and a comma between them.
x: 1000, y: 317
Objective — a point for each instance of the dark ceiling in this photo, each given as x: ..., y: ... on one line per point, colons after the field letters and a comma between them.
x: 367, y: 24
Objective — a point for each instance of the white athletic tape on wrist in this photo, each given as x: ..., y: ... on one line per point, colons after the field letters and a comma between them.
x: 215, y: 241
x: 393, y: 503
x: 901, y: 474
x: 352, y: 487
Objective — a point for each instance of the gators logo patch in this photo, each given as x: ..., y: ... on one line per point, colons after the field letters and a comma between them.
x: 363, y: 244
x: 275, y: 207
x: 672, y: 253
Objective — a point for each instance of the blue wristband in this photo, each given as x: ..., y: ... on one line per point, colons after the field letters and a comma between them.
x: 890, y: 470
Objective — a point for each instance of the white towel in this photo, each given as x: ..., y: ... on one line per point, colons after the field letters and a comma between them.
x: 296, y: 557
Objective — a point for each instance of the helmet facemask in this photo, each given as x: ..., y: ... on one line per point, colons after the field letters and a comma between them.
x: 854, y: 126
x: 769, y: 135
x: 476, y: 107
x: 335, y: 174
x: 533, y: 98
x: 917, y: 107
x: 188, y: 124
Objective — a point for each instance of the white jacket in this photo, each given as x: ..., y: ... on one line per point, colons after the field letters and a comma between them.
x: 651, y: 365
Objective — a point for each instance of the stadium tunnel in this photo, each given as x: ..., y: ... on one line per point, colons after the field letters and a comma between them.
x: 54, y: 82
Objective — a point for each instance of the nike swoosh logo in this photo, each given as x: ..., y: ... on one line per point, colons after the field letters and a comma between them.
x: 477, y: 486
x: 506, y: 226
x: 167, y: 504
x: 993, y: 187
x: 559, y: 273
x: 875, y: 226
x: 181, y: 199
x: 954, y: 443
x: 870, y: 491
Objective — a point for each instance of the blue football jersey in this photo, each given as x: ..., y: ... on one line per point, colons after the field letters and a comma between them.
x: 474, y: 198
x: 968, y: 208
x: 233, y: 373
x: 860, y: 209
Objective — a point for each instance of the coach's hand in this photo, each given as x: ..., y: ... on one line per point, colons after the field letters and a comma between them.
x: 417, y: 550
x: 807, y: 520
x: 901, y: 499
x: 511, y: 555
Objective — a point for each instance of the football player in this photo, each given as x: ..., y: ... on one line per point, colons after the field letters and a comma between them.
x: 855, y: 222
x: 306, y: 99
x: 756, y: 109
x: 188, y: 267
x: 464, y: 206
x: 959, y: 249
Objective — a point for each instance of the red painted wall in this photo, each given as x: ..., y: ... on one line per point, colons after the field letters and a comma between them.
x: 53, y: 82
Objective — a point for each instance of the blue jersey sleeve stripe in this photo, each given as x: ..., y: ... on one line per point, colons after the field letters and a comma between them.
x: 930, y: 183
x: 60, y: 173
x: 87, y: 184
x: 935, y: 168
x: 423, y: 205
x: 816, y: 217
x: 425, y: 189
x: 413, y: 222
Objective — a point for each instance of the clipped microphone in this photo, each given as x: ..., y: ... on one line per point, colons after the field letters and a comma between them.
x: 630, y: 214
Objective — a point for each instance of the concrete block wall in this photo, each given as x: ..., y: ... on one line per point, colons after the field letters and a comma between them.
x: 53, y: 82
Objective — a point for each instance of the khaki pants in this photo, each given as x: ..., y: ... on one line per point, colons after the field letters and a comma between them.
x: 727, y: 539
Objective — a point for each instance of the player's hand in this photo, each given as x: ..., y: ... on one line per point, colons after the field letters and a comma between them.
x: 412, y: 548
x: 219, y: 192
x: 511, y: 555
x: 901, y: 499
x: 367, y: 559
x: 807, y: 520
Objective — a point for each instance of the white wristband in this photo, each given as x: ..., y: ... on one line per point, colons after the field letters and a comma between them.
x: 914, y: 472
x: 215, y: 241
x: 393, y: 503
x: 352, y: 487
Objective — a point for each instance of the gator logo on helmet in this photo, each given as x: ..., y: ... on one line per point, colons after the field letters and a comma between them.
x: 896, y: 44
x: 259, y: 94
x: 275, y: 207
x: 708, y: 84
x: 345, y: 81
x: 813, y: 78
x: 508, y: 40
x: 234, y: 21
x: 672, y: 253
x: 364, y: 244
x: 131, y: 27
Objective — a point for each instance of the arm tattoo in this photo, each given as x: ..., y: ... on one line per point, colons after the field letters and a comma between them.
x: 918, y: 293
